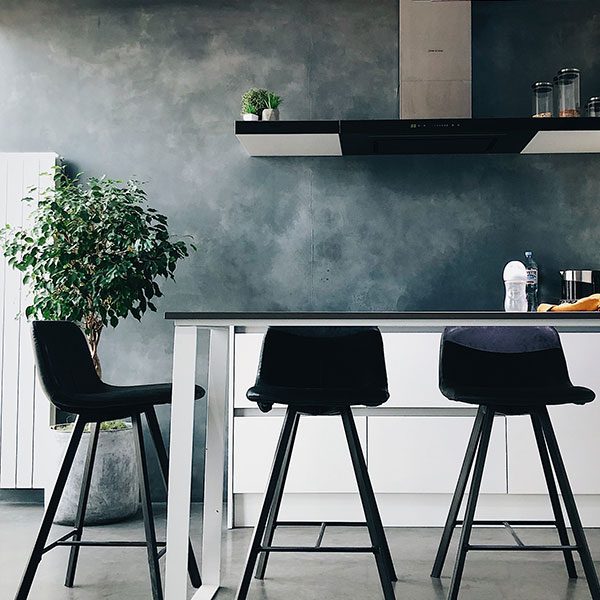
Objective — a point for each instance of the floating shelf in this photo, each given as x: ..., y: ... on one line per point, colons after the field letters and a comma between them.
x: 425, y: 136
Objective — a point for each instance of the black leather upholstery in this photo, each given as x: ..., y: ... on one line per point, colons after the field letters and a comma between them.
x: 513, y: 369
x: 70, y: 381
x: 319, y: 370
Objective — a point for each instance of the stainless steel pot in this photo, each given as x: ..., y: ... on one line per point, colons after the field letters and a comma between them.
x: 579, y: 283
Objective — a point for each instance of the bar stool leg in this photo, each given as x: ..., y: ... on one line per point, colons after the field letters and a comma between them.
x: 486, y: 430
x: 163, y: 461
x: 83, y: 500
x: 459, y: 494
x: 274, y: 513
x: 373, y: 502
x: 561, y: 527
x: 42, y: 537
x: 362, y: 477
x: 147, y: 509
x: 571, y: 507
x: 259, y: 530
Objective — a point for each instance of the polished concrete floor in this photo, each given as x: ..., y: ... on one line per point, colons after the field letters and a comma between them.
x: 122, y: 573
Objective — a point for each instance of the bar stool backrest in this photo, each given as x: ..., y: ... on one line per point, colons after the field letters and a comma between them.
x: 502, y: 357
x: 63, y: 360
x: 323, y: 358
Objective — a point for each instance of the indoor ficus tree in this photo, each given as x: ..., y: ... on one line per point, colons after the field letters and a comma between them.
x: 91, y: 253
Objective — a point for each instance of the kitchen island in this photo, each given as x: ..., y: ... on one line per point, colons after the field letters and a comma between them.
x: 416, y: 428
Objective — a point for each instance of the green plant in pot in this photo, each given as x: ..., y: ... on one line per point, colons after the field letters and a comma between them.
x: 260, y: 103
x: 271, y: 113
x: 253, y: 102
x: 92, y: 253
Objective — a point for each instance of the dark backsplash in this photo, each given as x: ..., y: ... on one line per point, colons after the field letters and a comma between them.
x: 151, y: 89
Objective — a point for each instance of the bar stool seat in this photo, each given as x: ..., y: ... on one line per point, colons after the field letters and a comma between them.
x: 314, y: 401
x: 113, y: 402
x: 519, y: 400
x: 319, y: 371
x: 71, y: 383
x: 511, y: 370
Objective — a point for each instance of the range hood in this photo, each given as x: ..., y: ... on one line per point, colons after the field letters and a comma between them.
x: 434, y: 103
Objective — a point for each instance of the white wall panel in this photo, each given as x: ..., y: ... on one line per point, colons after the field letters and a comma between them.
x: 21, y: 403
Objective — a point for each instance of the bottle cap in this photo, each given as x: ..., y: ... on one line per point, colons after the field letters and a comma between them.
x: 515, y: 271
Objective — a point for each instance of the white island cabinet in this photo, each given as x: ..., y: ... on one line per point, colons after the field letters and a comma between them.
x: 410, y: 442
x: 414, y: 445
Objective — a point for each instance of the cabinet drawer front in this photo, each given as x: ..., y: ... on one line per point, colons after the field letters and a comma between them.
x: 412, y: 361
x: 320, y: 462
x: 247, y: 356
x: 424, y: 454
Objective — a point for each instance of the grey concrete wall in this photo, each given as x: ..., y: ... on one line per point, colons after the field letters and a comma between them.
x: 151, y: 89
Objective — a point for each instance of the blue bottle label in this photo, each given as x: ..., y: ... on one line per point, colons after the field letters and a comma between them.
x: 532, y: 276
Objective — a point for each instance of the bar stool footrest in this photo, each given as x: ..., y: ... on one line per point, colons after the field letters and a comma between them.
x: 66, y: 541
x: 485, y: 522
x: 339, y: 549
x: 520, y: 548
x: 317, y: 547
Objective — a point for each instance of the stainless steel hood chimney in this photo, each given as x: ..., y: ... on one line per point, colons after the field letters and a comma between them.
x: 434, y: 59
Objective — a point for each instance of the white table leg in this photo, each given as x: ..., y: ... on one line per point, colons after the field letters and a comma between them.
x: 230, y: 413
x: 214, y: 466
x: 180, y: 457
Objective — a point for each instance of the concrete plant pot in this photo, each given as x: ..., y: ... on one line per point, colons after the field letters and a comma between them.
x: 114, y: 491
x: 270, y: 114
x: 249, y: 117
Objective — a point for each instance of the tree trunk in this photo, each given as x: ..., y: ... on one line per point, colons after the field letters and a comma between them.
x: 93, y: 330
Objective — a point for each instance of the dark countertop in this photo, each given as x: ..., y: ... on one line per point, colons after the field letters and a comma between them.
x: 380, y: 316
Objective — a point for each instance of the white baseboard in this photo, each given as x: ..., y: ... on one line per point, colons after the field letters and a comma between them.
x: 408, y: 510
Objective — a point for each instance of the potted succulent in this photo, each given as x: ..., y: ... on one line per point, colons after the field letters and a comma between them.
x: 271, y: 113
x: 92, y: 253
x: 259, y: 103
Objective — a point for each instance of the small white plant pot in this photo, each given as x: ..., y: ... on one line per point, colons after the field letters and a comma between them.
x: 270, y: 114
x: 249, y: 117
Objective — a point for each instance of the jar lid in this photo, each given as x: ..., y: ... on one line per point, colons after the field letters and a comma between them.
x: 594, y: 99
x: 567, y: 75
x: 542, y: 85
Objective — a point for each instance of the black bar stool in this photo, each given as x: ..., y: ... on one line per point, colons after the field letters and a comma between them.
x: 319, y: 371
x: 71, y: 383
x: 511, y: 371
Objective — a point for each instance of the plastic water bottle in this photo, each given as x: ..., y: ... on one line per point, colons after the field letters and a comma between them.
x: 515, y: 282
x: 532, y: 282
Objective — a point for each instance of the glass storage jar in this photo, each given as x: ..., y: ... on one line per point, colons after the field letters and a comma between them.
x: 593, y: 107
x: 568, y: 83
x: 542, y: 99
